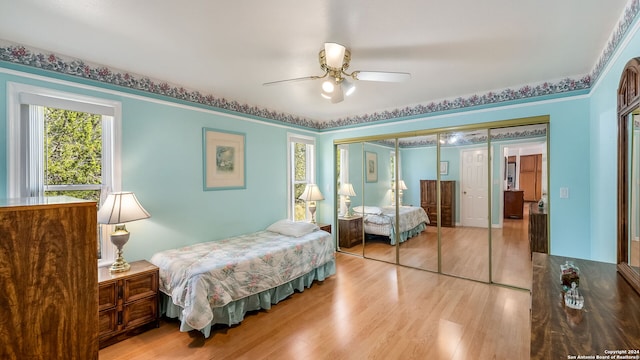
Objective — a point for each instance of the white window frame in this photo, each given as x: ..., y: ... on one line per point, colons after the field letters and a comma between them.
x: 293, y: 139
x: 25, y: 136
x: 344, y: 174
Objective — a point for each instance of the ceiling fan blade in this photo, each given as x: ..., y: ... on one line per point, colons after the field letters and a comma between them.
x: 293, y: 80
x: 381, y: 76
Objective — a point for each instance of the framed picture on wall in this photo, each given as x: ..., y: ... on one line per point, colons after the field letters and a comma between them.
x: 371, y: 164
x: 223, y: 159
x: 444, y: 168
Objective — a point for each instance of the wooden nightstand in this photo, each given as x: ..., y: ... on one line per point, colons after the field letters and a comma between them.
x: 325, y: 227
x: 128, y: 302
x: 350, y: 231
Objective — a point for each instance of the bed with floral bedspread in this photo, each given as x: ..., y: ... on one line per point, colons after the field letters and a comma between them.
x: 219, y: 281
x: 382, y: 221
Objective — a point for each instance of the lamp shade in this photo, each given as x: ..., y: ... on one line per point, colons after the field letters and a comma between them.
x: 346, y: 190
x: 401, y: 185
x: 334, y: 54
x: 121, y: 207
x: 311, y: 193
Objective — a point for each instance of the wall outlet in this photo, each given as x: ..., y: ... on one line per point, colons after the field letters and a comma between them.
x: 564, y: 193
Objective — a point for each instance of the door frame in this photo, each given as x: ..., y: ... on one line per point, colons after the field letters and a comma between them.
x: 489, y: 156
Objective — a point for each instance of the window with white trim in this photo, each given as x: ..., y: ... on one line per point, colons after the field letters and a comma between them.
x: 300, y: 172
x: 342, y: 159
x: 64, y: 144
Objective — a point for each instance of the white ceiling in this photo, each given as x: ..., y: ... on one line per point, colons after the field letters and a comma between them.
x: 229, y: 48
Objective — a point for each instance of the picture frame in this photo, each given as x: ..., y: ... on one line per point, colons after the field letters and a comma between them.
x: 223, y: 159
x: 371, y: 166
x: 444, y: 168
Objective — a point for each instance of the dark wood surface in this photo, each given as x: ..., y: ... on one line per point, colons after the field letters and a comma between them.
x: 628, y: 103
x: 429, y: 201
x: 350, y: 231
x: 513, y: 204
x: 538, y: 234
x: 610, y: 319
x: 128, y: 301
x: 48, y: 279
x: 325, y: 227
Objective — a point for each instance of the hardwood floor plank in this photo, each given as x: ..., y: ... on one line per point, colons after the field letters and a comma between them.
x: 368, y: 310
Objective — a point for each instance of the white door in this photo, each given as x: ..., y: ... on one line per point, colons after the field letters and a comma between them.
x: 474, y: 188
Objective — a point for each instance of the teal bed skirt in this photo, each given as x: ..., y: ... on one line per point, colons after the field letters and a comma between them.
x: 234, y: 312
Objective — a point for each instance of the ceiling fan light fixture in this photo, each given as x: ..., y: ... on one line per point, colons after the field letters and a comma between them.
x: 334, y: 54
x: 327, y: 86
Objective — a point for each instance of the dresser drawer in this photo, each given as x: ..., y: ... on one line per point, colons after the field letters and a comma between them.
x: 140, y: 286
x: 107, y: 295
x: 107, y: 322
x: 140, y: 312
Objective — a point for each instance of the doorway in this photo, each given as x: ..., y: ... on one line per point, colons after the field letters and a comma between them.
x: 474, y: 198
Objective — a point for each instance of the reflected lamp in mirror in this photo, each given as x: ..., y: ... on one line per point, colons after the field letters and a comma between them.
x: 347, y: 191
x: 120, y: 208
x: 401, y: 186
x: 310, y: 195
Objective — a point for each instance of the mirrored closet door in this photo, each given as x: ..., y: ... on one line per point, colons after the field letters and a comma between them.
x: 418, y: 169
x: 350, y: 197
x: 455, y: 202
x: 379, y: 201
x: 464, y: 207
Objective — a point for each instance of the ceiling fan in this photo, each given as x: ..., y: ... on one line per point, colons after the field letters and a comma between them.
x: 334, y: 61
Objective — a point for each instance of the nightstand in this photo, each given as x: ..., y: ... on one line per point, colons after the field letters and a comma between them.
x: 127, y: 302
x: 350, y: 231
x: 325, y: 227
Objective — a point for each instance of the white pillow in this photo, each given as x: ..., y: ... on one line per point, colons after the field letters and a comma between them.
x: 373, y: 210
x: 292, y: 228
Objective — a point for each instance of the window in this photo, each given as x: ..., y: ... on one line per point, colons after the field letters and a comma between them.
x: 342, y: 166
x: 64, y: 144
x: 301, y: 156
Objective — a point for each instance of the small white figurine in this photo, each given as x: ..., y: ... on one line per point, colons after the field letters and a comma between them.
x: 572, y: 297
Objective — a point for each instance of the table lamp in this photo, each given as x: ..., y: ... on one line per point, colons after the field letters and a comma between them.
x: 347, y: 191
x: 311, y: 194
x: 120, y: 208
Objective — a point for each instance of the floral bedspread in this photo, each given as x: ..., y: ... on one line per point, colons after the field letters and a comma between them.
x: 207, y: 275
x: 410, y: 217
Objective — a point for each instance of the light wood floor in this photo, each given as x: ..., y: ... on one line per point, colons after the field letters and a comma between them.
x: 368, y: 310
x: 465, y: 252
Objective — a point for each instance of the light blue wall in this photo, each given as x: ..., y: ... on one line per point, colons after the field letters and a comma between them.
x: 603, y: 151
x: 162, y: 164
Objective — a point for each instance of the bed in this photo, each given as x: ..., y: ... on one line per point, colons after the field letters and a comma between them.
x: 218, y: 282
x: 381, y: 221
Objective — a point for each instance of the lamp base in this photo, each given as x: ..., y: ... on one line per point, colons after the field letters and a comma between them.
x: 119, y: 237
x: 312, y: 210
x: 120, y: 265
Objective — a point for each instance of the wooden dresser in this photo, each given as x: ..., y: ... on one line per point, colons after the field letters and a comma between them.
x: 513, y: 204
x: 429, y: 201
x: 350, y: 231
x: 609, y: 321
x: 128, y: 302
x: 538, y: 238
x: 48, y: 279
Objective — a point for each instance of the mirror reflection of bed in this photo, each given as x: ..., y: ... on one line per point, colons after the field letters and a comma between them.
x: 465, y: 244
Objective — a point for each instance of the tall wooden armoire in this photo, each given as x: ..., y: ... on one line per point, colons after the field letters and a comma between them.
x: 531, y: 176
x: 48, y: 279
x: 429, y: 201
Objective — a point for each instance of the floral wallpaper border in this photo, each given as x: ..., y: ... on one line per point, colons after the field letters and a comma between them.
x: 428, y: 141
x: 19, y: 54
